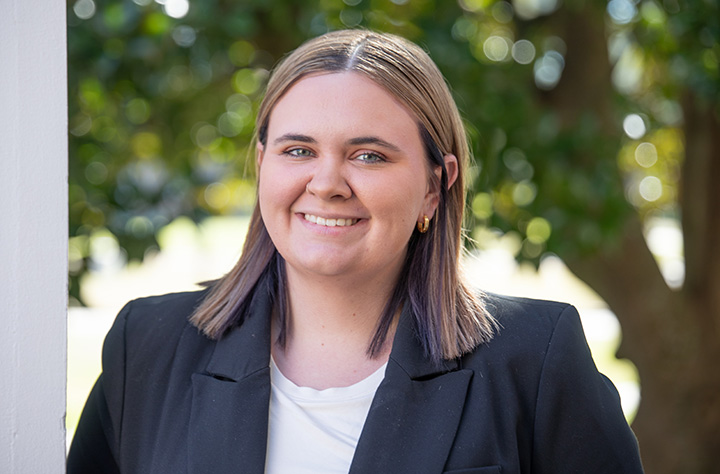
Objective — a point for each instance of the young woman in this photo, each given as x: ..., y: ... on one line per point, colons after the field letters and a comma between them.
x: 345, y: 340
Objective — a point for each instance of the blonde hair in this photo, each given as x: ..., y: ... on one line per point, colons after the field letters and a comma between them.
x: 450, y: 319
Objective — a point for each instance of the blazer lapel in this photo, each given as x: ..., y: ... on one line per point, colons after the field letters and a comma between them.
x: 415, y: 413
x: 229, y: 418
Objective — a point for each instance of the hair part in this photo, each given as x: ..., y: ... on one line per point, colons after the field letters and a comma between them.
x: 450, y: 319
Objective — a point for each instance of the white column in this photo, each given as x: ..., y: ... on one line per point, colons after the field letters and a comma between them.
x: 33, y: 235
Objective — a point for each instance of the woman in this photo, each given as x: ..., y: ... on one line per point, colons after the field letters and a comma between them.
x: 345, y: 340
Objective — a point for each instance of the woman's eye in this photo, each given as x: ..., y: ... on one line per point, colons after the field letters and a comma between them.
x: 298, y: 152
x: 370, y: 158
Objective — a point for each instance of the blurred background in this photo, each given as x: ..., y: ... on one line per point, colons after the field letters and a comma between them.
x: 595, y: 128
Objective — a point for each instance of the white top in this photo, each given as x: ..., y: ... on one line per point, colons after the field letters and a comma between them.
x: 316, y: 431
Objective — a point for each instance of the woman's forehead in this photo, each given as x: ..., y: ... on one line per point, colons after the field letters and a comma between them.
x: 341, y: 100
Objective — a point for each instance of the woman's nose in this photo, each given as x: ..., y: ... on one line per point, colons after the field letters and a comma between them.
x: 328, y: 180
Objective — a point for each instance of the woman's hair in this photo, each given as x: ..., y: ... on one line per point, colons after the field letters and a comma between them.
x: 450, y: 319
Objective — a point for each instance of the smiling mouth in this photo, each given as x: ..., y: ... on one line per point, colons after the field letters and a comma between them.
x: 330, y: 222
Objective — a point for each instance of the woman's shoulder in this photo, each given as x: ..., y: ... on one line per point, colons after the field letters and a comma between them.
x: 153, y: 322
x: 527, y: 314
x: 185, y: 301
x: 528, y: 328
x: 171, y: 309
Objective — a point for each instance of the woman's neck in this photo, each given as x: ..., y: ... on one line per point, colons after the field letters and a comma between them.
x: 330, y: 327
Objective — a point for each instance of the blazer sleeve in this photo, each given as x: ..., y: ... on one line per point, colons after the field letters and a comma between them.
x: 579, y: 424
x: 95, y: 445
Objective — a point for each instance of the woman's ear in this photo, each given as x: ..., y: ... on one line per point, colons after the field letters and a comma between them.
x: 452, y: 167
x: 433, y: 196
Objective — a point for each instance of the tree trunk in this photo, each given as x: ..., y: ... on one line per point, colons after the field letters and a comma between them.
x: 678, y: 422
x: 673, y: 337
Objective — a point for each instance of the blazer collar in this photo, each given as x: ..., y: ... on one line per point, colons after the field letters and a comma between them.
x: 416, y: 410
x: 408, y: 352
x: 409, y: 429
x: 230, y: 400
x: 246, y: 349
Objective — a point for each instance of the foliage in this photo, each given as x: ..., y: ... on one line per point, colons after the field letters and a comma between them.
x: 162, y: 101
x: 587, y: 119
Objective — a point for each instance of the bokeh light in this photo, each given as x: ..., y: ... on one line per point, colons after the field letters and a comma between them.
x: 523, y: 52
x: 84, y: 9
x: 96, y: 173
x: 646, y: 154
x: 622, y: 11
x: 230, y: 124
x: 496, y: 48
x: 217, y: 195
x: 137, y: 111
x: 634, y: 126
x: 351, y: 17
x: 482, y: 205
x: 548, y: 70
x: 524, y: 193
x: 530, y: 9
x: 503, y: 12
x: 538, y: 230
x: 184, y: 36
x: 627, y: 75
x: 176, y: 8
x: 651, y: 188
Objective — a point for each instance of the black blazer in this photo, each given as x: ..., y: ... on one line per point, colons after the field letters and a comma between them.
x: 170, y: 400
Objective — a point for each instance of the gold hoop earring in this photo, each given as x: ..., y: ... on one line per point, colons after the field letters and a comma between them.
x: 423, y: 226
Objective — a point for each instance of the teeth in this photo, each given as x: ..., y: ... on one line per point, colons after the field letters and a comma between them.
x: 330, y: 222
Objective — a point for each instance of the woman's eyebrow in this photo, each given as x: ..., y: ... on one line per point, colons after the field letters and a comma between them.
x: 294, y: 137
x: 373, y: 141
x: 369, y: 140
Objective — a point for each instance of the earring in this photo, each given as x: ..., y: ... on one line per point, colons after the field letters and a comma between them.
x: 423, y: 226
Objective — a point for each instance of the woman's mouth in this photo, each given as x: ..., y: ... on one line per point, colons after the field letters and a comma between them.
x: 328, y: 222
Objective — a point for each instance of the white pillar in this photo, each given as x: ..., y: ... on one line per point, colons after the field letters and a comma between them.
x: 33, y: 235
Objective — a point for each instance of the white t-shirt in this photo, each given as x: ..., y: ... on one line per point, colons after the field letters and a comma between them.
x: 316, y: 431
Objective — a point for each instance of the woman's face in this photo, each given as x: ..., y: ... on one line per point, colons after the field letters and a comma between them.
x: 343, y: 178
